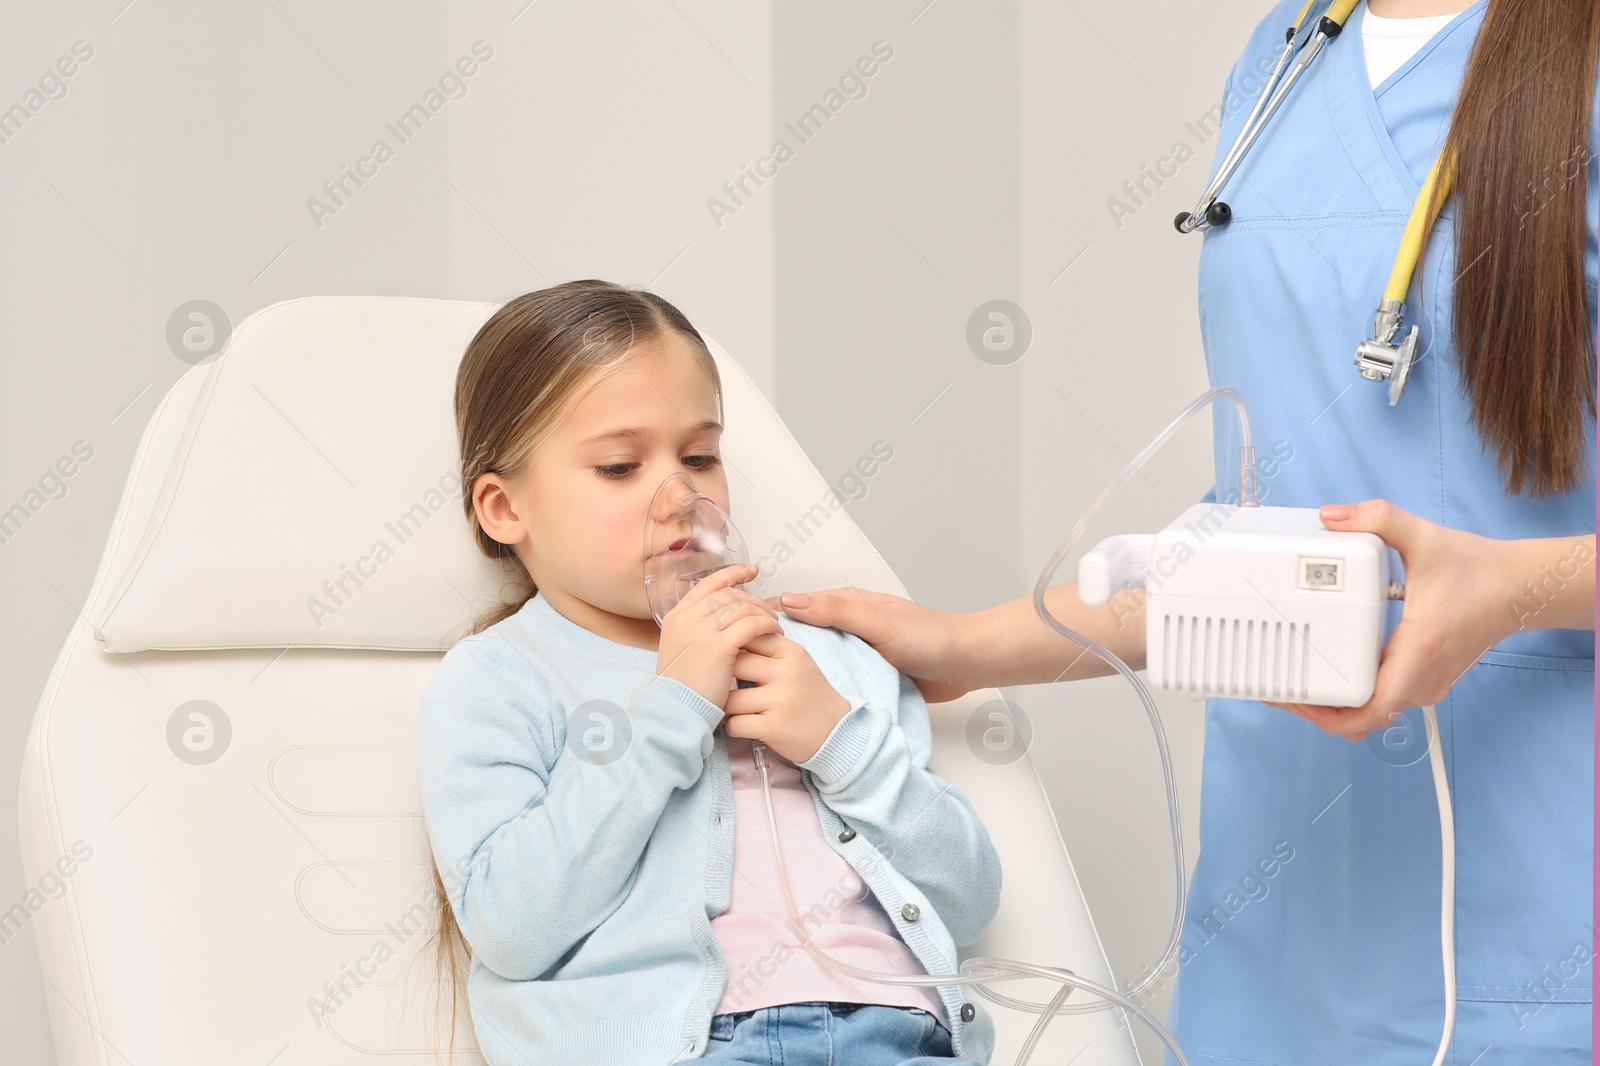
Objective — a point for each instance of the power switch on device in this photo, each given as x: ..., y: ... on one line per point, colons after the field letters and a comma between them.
x: 1320, y: 574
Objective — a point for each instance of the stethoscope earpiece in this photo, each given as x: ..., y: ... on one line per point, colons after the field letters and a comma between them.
x: 1216, y: 215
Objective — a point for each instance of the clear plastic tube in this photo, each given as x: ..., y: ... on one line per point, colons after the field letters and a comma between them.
x: 974, y: 971
x: 1248, y: 497
x: 978, y: 970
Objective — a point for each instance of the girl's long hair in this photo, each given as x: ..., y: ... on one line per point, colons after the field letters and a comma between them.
x: 1520, y: 139
x: 523, y: 367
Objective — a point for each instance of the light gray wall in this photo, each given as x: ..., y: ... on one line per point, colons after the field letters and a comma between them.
x: 973, y: 165
x: 899, y: 219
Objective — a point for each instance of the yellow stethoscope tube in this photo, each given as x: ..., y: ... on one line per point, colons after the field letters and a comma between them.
x: 1423, y: 214
x: 1378, y: 358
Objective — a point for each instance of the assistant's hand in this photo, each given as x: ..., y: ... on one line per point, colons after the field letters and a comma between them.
x: 792, y: 707
x: 1458, y: 585
x: 916, y: 640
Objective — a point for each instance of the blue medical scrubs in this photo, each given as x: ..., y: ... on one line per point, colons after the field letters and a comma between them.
x: 1312, y: 933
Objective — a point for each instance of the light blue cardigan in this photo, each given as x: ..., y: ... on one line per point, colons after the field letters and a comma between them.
x: 584, y: 877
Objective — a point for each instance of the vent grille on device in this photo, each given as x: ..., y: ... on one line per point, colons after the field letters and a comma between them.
x: 1251, y: 659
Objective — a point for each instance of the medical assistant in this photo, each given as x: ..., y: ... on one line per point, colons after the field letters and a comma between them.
x: 1312, y: 932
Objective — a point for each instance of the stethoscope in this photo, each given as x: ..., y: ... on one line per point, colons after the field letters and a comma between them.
x: 1379, y: 357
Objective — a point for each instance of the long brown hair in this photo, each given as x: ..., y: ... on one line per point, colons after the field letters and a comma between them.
x: 1520, y: 141
x: 533, y: 357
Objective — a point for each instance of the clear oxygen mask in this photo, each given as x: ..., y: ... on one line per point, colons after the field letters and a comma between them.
x: 687, y: 536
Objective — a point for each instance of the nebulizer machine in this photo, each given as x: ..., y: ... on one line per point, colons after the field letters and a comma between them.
x: 1241, y: 601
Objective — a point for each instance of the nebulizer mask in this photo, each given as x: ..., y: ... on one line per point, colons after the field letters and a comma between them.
x: 686, y: 537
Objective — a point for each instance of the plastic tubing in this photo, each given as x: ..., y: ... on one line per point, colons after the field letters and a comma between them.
x: 1248, y: 497
x: 979, y: 970
x: 974, y: 971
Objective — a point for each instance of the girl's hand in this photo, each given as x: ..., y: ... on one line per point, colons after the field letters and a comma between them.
x: 916, y: 640
x: 791, y: 708
x: 1459, y: 588
x: 702, y: 634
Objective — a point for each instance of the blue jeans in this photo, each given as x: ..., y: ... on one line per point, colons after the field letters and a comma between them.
x: 832, y: 1034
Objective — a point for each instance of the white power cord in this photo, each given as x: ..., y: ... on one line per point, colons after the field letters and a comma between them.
x: 1447, y: 890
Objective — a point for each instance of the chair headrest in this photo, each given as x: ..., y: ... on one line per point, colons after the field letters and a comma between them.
x: 303, y: 490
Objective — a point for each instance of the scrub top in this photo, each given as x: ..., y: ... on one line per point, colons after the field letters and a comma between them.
x: 1312, y: 933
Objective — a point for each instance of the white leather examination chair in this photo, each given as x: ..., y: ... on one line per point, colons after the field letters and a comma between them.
x: 266, y: 906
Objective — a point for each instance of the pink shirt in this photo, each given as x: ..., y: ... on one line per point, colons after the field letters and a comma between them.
x: 767, y: 965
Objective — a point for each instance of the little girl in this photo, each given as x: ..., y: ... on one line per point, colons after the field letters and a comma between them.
x: 587, y: 777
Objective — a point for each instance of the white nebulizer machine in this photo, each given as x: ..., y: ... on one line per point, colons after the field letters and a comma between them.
x: 1256, y: 603
x: 1241, y: 601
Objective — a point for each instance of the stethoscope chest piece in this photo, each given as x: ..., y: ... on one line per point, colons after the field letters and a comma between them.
x: 1378, y: 357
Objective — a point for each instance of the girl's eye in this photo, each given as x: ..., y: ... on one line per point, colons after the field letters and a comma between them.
x: 618, y: 471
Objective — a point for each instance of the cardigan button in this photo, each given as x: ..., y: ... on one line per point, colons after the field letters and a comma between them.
x: 911, y: 912
x: 968, y: 1012
x: 847, y: 835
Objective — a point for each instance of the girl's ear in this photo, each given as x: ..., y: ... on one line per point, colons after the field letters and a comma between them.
x: 495, y: 513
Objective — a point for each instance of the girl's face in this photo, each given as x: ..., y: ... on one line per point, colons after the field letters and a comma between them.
x: 575, y: 514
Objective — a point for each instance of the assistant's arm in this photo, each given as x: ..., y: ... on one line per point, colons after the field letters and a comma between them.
x: 1009, y: 644
x: 1556, y: 576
